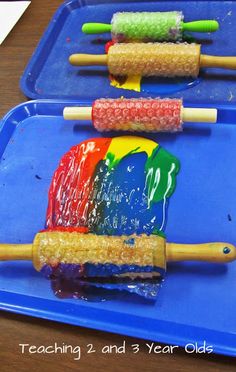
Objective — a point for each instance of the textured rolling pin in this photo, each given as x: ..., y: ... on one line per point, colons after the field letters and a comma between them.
x: 89, y: 255
x: 149, y: 26
x: 154, y: 59
x: 140, y: 114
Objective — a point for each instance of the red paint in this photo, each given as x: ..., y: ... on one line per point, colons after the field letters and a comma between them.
x: 80, y: 229
x: 108, y: 45
x: 72, y: 184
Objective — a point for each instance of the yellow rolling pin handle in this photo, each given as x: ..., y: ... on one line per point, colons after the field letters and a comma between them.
x: 209, y: 252
x: 11, y: 252
x: 220, y: 62
x: 88, y: 59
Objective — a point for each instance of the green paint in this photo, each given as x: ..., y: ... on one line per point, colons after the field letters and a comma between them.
x: 112, y: 160
x: 161, y: 170
x: 159, y: 233
x: 159, y: 174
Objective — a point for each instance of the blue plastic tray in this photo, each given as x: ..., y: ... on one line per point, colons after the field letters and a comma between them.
x: 197, y: 301
x: 49, y: 74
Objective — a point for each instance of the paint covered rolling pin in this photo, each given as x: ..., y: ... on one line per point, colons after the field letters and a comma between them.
x: 106, y: 256
x: 149, y: 26
x: 140, y: 114
x: 154, y: 59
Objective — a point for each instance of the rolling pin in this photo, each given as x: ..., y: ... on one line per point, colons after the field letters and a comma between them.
x: 149, y: 26
x: 154, y: 59
x: 141, y: 114
x: 104, y: 256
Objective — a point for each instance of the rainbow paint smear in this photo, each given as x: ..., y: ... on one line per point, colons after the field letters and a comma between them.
x: 111, y: 186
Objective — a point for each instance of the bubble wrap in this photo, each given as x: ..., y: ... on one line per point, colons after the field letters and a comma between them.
x: 107, y: 289
x: 146, y: 26
x: 57, y: 247
x: 144, y: 114
x: 147, y: 289
x: 98, y: 270
x: 154, y: 59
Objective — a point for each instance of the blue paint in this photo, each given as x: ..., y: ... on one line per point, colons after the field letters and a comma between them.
x: 75, y: 271
x: 122, y: 289
x: 130, y: 241
x: 167, y: 86
x: 69, y: 281
x: 121, y: 205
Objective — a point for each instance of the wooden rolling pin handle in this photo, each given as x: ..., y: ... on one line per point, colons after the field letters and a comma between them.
x: 77, y: 113
x: 215, y: 61
x: 209, y: 252
x: 199, y: 115
x: 10, y: 252
x: 188, y: 114
x: 88, y: 59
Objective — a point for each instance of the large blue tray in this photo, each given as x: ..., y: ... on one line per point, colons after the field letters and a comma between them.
x: 49, y: 74
x: 196, y: 302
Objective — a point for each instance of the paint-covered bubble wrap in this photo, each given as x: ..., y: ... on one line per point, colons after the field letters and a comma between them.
x: 145, y: 114
x: 154, y: 59
x: 79, y: 280
x: 99, y: 290
x: 146, y: 26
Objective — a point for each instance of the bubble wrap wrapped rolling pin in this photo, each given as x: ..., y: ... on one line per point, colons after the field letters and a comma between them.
x: 140, y: 114
x: 149, y: 26
x: 131, y: 256
x: 154, y: 59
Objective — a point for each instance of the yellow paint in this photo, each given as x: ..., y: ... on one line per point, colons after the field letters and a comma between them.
x: 132, y: 83
x: 122, y: 146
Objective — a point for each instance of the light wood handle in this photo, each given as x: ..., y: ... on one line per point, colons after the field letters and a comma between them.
x: 199, y: 115
x: 77, y: 113
x: 196, y: 115
x: 210, y: 252
x: 215, y: 61
x: 11, y: 252
x: 88, y: 59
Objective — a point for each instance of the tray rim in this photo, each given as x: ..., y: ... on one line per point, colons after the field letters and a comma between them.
x: 172, y: 337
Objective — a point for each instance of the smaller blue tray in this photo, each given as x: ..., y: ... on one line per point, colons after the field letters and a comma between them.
x: 49, y: 74
x: 196, y: 302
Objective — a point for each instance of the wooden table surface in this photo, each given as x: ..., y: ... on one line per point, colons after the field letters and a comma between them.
x: 18, y: 329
